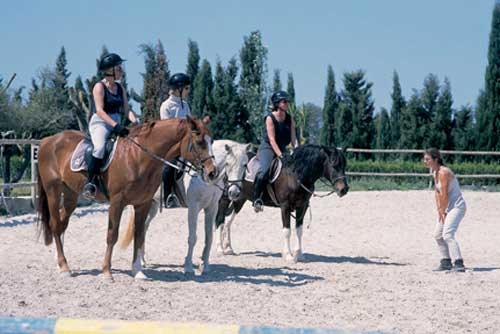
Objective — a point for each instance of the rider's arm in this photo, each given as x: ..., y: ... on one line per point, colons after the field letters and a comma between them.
x: 293, y: 134
x: 127, y: 110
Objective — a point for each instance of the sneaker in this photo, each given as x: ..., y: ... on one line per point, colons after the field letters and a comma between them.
x: 444, y: 265
x: 89, y: 191
x: 458, y: 266
x: 258, y: 205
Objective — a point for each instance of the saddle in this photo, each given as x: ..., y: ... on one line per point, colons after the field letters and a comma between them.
x: 253, y: 167
x: 81, y: 155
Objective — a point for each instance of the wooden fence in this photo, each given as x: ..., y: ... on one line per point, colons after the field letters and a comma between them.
x: 34, y: 158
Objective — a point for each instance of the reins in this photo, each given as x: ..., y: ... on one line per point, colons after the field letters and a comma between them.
x: 188, y: 165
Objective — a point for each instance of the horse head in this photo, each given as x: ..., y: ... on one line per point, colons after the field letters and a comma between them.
x: 234, y: 165
x: 334, y: 170
x: 196, y: 147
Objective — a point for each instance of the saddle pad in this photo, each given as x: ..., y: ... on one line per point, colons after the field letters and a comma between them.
x: 78, y: 162
x: 253, y: 167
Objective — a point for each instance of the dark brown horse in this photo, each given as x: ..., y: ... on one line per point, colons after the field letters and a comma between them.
x: 291, y: 192
x: 132, y: 178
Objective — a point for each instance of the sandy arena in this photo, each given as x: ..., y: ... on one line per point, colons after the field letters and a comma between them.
x: 369, y: 259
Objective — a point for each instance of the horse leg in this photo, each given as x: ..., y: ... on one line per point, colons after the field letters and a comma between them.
x: 210, y: 213
x: 57, y: 226
x: 114, y: 215
x: 153, y: 211
x: 193, y: 211
x: 141, y: 213
x: 287, y: 252
x: 227, y: 248
x: 298, y: 255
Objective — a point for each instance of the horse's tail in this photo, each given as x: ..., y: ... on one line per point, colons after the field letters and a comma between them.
x: 128, y: 235
x: 43, y: 213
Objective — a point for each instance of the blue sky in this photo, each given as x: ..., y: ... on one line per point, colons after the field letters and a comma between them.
x: 448, y: 38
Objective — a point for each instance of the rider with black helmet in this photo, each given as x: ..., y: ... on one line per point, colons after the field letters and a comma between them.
x: 174, y: 107
x: 279, y: 132
x: 111, y: 104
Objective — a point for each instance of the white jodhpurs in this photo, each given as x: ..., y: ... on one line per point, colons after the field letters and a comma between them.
x: 444, y: 233
x: 99, y: 133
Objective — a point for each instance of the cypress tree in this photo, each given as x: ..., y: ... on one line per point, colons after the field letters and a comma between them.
x: 202, y: 95
x: 488, y: 117
x: 276, y: 81
x: 383, y: 138
x: 330, y: 109
x: 290, y: 87
x: 193, y: 65
x: 441, y: 127
x: 427, y: 112
x: 398, y: 104
x: 253, y: 57
x: 358, y: 99
x: 408, y: 139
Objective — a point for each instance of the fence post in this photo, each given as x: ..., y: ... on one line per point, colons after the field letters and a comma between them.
x: 34, y: 170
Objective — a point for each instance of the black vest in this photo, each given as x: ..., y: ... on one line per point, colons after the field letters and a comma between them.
x: 282, y: 131
x: 113, y: 103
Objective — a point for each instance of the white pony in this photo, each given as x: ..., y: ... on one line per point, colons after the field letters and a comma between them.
x: 231, y: 159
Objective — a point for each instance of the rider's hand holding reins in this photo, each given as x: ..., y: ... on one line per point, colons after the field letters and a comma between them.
x: 120, y: 130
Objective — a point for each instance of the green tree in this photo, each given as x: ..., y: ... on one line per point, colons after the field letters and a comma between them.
x: 383, y: 138
x: 357, y: 97
x: 314, y: 123
x: 398, y: 104
x: 408, y: 139
x: 290, y: 88
x: 202, y: 95
x: 155, y: 81
x: 463, y: 128
x: 276, y: 81
x: 442, y: 124
x: 330, y: 110
x: 488, y: 116
x: 253, y: 56
x: 193, y: 65
x: 427, y: 112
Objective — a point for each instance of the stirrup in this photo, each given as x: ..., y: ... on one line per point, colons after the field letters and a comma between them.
x: 258, y: 205
x: 89, y: 191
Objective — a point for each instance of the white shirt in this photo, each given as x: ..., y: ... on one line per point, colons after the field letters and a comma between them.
x: 174, y: 107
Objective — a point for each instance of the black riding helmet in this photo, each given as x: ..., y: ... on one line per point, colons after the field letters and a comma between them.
x: 279, y: 96
x: 179, y: 80
x: 110, y: 60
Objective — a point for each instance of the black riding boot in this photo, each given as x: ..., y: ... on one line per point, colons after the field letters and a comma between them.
x: 258, y: 188
x: 90, y: 189
x: 169, y: 198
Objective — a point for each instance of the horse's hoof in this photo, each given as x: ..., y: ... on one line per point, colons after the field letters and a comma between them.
x: 140, y: 276
x: 229, y: 251
x: 289, y: 258
x: 65, y: 274
x: 299, y: 256
x: 204, y: 269
x: 108, y: 278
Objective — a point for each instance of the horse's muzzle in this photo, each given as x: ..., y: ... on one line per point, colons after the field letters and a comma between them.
x: 341, y: 188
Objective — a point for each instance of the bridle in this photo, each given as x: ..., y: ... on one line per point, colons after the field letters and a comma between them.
x: 199, y: 161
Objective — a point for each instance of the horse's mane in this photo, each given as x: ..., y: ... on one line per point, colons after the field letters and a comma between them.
x: 145, y: 128
x: 305, y: 161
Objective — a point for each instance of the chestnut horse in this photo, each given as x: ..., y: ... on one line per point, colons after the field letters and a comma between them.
x: 291, y: 191
x: 131, y: 179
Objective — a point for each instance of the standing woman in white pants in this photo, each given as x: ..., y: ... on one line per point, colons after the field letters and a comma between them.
x: 451, y: 209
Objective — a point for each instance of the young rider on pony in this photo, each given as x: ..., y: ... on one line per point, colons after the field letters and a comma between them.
x: 111, y: 104
x: 174, y: 107
x: 279, y: 131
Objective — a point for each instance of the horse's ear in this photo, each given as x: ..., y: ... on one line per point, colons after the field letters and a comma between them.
x: 248, y: 148
x: 192, y: 123
x: 228, y: 148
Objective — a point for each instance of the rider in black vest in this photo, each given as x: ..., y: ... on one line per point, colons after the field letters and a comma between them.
x: 110, y: 104
x: 279, y: 132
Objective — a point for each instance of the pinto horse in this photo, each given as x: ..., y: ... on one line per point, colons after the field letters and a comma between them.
x: 131, y: 179
x: 231, y: 159
x: 291, y: 191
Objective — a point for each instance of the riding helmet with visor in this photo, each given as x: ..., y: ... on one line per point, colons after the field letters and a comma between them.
x: 110, y: 60
x: 179, y: 80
